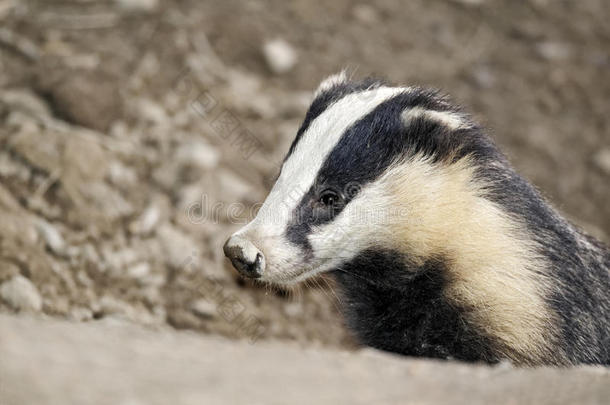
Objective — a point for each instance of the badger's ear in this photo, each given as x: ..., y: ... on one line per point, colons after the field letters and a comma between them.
x: 331, y: 81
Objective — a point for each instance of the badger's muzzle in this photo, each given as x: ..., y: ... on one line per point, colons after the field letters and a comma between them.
x: 245, y: 257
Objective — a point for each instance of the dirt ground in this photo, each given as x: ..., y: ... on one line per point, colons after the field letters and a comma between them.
x: 136, y: 135
x: 118, y: 363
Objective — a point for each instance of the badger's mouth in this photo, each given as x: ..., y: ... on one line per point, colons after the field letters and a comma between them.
x: 304, y: 273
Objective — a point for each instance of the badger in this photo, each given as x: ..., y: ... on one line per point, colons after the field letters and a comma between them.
x: 438, y: 247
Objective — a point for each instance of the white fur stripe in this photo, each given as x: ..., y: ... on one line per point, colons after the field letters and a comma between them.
x: 330, y: 82
x: 302, y: 167
x: 450, y: 119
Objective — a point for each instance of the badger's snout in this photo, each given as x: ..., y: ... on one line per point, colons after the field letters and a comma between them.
x: 245, y: 257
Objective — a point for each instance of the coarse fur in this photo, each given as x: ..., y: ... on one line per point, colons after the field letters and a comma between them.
x: 438, y: 246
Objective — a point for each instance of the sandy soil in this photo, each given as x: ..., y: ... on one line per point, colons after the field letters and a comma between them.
x: 129, y: 130
x: 114, y: 363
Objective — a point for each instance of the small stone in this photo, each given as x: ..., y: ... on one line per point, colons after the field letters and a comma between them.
x: 52, y: 237
x: 8, y: 270
x: 146, y: 222
x: 280, y: 56
x: 602, y: 160
x: 89, y: 253
x: 121, y: 175
x: 483, y: 77
x: 21, y: 294
x: 110, y: 305
x: 199, y: 154
x: 118, y: 260
x: 553, y: 51
x: 154, y: 281
x: 70, y: 94
x: 151, y: 111
x: 167, y: 175
x: 365, y: 14
x: 10, y: 168
x: 105, y: 200
x: 81, y: 314
x: 204, y: 308
x: 177, y: 247
x: 145, y: 6
x: 118, y: 129
x: 25, y: 100
x: 83, y: 278
x: 139, y: 270
x: 293, y: 309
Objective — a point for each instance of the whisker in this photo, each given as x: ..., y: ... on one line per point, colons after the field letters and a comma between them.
x: 337, y: 300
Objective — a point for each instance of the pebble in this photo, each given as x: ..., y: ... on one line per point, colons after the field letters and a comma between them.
x: 177, y: 246
x: 89, y: 253
x: 199, y: 154
x: 122, y: 175
x: 81, y: 314
x: 52, y: 237
x: 293, y: 309
x: 365, y: 14
x: 139, y: 270
x: 147, y: 221
x: 204, y: 308
x: 553, y: 51
x: 146, y: 6
x: 7, y: 270
x: 118, y: 260
x: 602, y: 160
x: 21, y: 294
x: 484, y: 77
x: 110, y: 305
x: 280, y: 56
x: 71, y: 94
x: 25, y: 100
x: 83, y: 278
x: 151, y: 111
x: 106, y: 200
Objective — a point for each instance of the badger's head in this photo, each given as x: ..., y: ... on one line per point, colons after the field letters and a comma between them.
x: 360, y: 175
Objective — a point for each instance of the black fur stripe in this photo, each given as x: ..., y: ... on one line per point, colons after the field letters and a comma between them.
x: 329, y: 97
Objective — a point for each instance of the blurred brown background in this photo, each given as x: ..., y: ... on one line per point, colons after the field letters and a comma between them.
x: 129, y: 128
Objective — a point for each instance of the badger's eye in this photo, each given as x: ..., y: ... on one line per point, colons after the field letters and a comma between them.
x: 329, y: 198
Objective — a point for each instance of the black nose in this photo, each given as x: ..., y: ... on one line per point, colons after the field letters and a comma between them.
x: 245, y: 257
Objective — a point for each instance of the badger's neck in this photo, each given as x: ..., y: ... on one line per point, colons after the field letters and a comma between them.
x: 455, y: 259
x: 403, y: 309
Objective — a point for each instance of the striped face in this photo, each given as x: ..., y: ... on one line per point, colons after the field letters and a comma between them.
x: 332, y: 200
